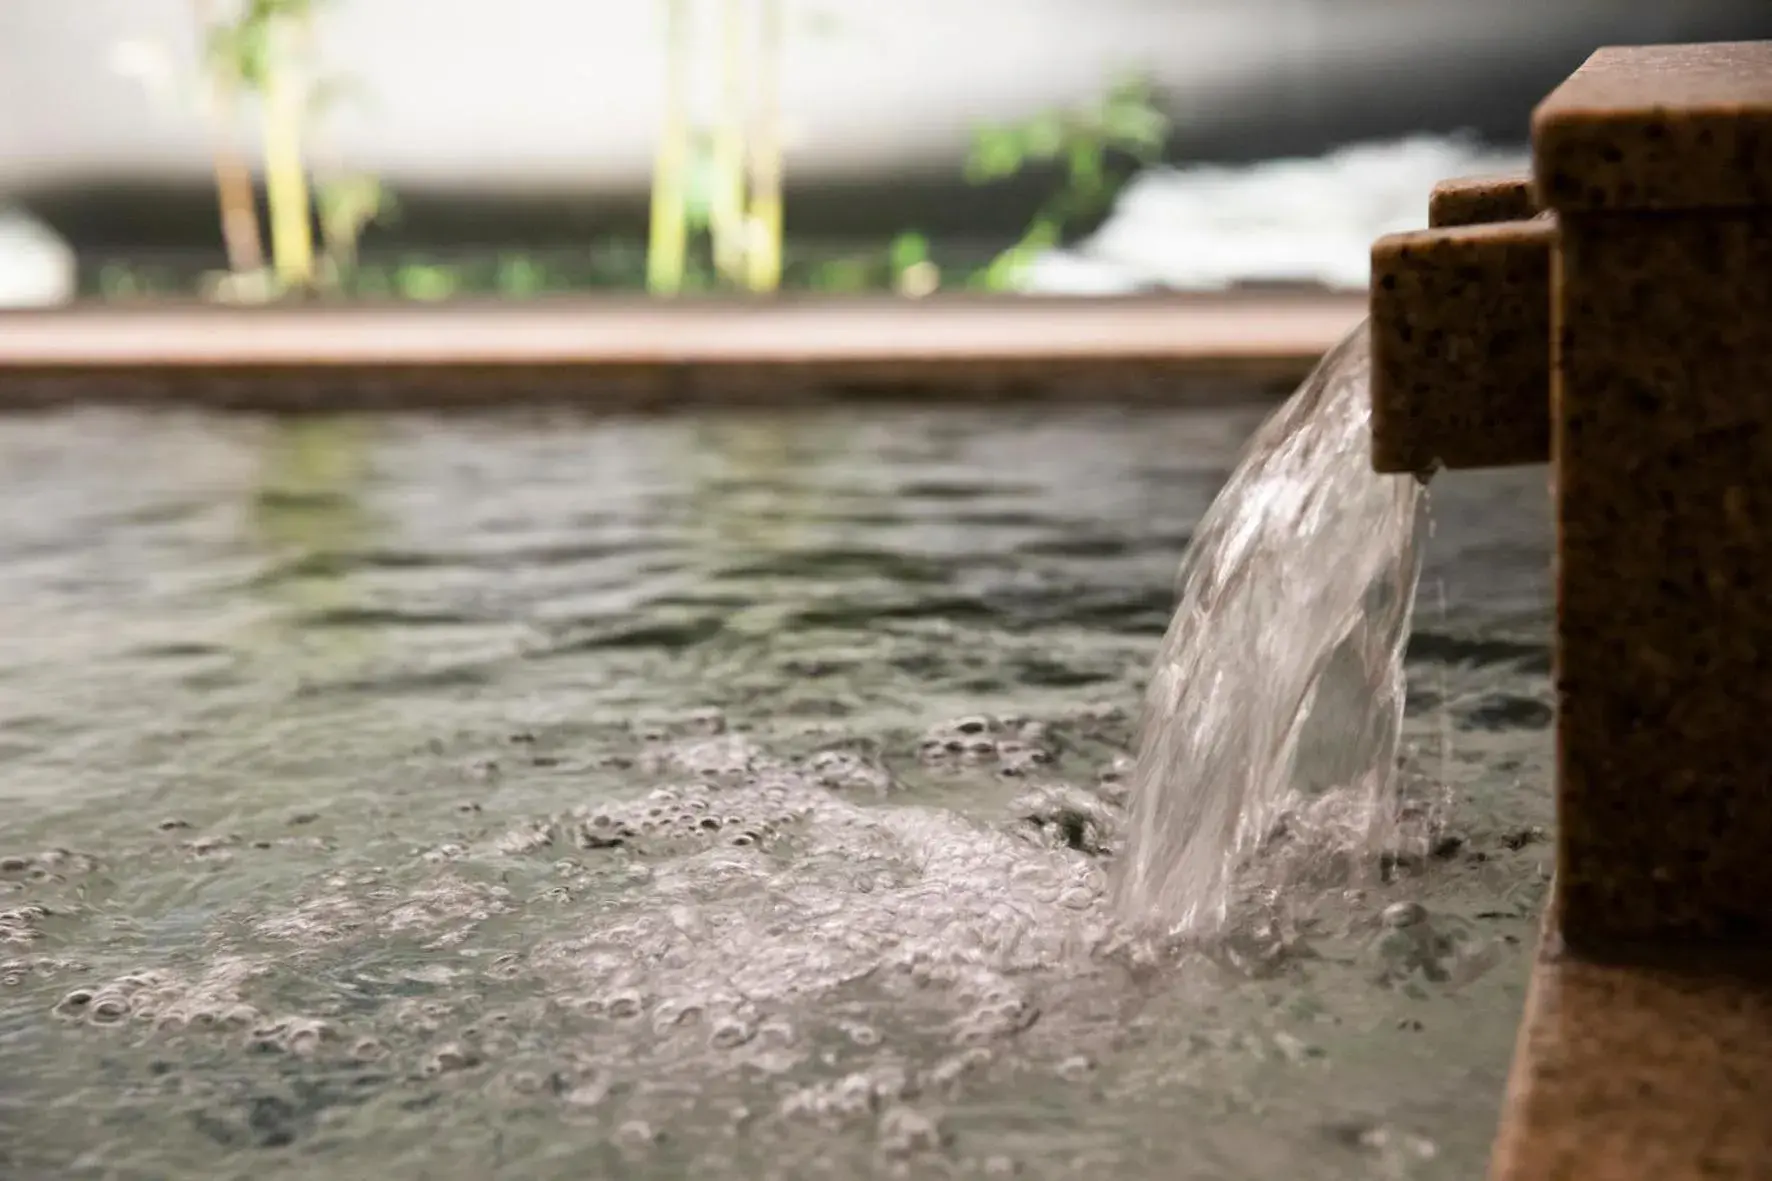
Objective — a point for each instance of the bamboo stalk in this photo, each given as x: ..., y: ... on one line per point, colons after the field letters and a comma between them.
x: 763, y: 260
x: 286, y: 181
x: 667, y: 250
x: 233, y: 177
x: 726, y: 206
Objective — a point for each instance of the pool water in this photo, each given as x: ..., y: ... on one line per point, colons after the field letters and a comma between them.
x: 724, y: 797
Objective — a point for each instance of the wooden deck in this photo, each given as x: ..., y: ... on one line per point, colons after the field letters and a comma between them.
x: 627, y: 354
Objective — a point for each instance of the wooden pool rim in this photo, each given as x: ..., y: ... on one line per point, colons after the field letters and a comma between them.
x: 624, y: 354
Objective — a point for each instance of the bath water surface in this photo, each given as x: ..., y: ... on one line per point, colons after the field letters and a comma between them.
x: 721, y: 797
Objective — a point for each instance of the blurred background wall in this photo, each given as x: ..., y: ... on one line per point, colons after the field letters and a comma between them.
x: 538, y: 116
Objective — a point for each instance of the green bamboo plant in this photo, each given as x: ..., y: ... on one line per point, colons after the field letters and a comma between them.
x: 668, y: 248
x: 261, y: 49
x: 763, y: 240
x: 233, y: 176
x: 726, y: 206
x: 724, y: 178
x: 348, y: 204
x: 1090, y: 146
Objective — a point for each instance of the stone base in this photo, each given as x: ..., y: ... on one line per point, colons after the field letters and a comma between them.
x: 1648, y: 1066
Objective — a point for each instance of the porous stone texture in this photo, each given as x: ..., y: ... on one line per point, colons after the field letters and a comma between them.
x: 1653, y: 1066
x: 1461, y: 346
x: 1659, y: 127
x: 1647, y: 1046
x: 1479, y: 200
x: 1663, y: 450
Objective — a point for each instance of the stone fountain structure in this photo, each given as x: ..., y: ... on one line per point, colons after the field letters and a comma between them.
x: 1611, y: 314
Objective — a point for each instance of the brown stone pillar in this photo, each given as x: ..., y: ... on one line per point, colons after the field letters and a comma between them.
x: 1658, y: 164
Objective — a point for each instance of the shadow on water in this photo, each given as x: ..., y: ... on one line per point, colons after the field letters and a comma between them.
x: 535, y: 799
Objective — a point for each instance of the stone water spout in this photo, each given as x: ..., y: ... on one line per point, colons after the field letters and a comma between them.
x: 1611, y: 315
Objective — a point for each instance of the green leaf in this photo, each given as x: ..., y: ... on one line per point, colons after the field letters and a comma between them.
x: 1136, y: 131
x: 997, y: 152
x: 907, y: 250
x: 1132, y: 120
x: 1005, y: 271
x: 1042, y: 235
x: 519, y: 276
x: 251, y: 48
x: 701, y: 180
x: 1085, y: 160
x: 1044, y: 136
x: 426, y: 283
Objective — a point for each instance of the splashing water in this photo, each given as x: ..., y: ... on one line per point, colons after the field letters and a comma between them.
x: 1277, y: 699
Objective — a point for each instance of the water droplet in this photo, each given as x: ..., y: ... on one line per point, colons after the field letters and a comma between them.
x: 1404, y: 914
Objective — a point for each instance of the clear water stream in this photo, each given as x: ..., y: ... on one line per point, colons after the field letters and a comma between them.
x: 1267, y: 754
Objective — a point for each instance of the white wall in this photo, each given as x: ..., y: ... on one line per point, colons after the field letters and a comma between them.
x: 565, y: 92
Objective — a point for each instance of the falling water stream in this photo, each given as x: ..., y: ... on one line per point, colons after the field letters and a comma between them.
x: 1276, y: 702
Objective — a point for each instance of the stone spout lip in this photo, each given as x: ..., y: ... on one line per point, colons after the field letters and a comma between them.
x: 1481, y: 200
x: 1461, y: 338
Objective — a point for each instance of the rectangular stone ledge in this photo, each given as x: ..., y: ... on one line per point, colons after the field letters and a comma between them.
x: 1480, y: 200
x: 1659, y: 127
x: 1461, y: 346
x: 1648, y: 1066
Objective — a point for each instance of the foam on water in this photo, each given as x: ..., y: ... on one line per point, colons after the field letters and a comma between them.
x: 1277, y: 698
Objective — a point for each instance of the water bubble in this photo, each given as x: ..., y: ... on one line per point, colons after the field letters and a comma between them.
x: 1076, y: 1068
x: 75, y: 1004
x: 861, y: 1034
x: 22, y: 924
x: 1077, y: 898
x: 624, y: 1006
x: 524, y: 1082
x: 777, y: 1031
x: 904, y: 1131
x: 1404, y: 914
x: 108, y: 1008
x: 994, y: 1020
x: 305, y: 1035
x: 449, y: 1058
x: 637, y: 1133
x: 731, y: 1032
x: 589, y: 1093
x: 1294, y: 1049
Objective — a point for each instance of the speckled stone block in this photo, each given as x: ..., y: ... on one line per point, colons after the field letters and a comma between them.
x: 1663, y: 450
x: 1646, y: 1053
x: 1659, y: 127
x: 1655, y: 1066
x: 1479, y: 200
x: 1461, y: 346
